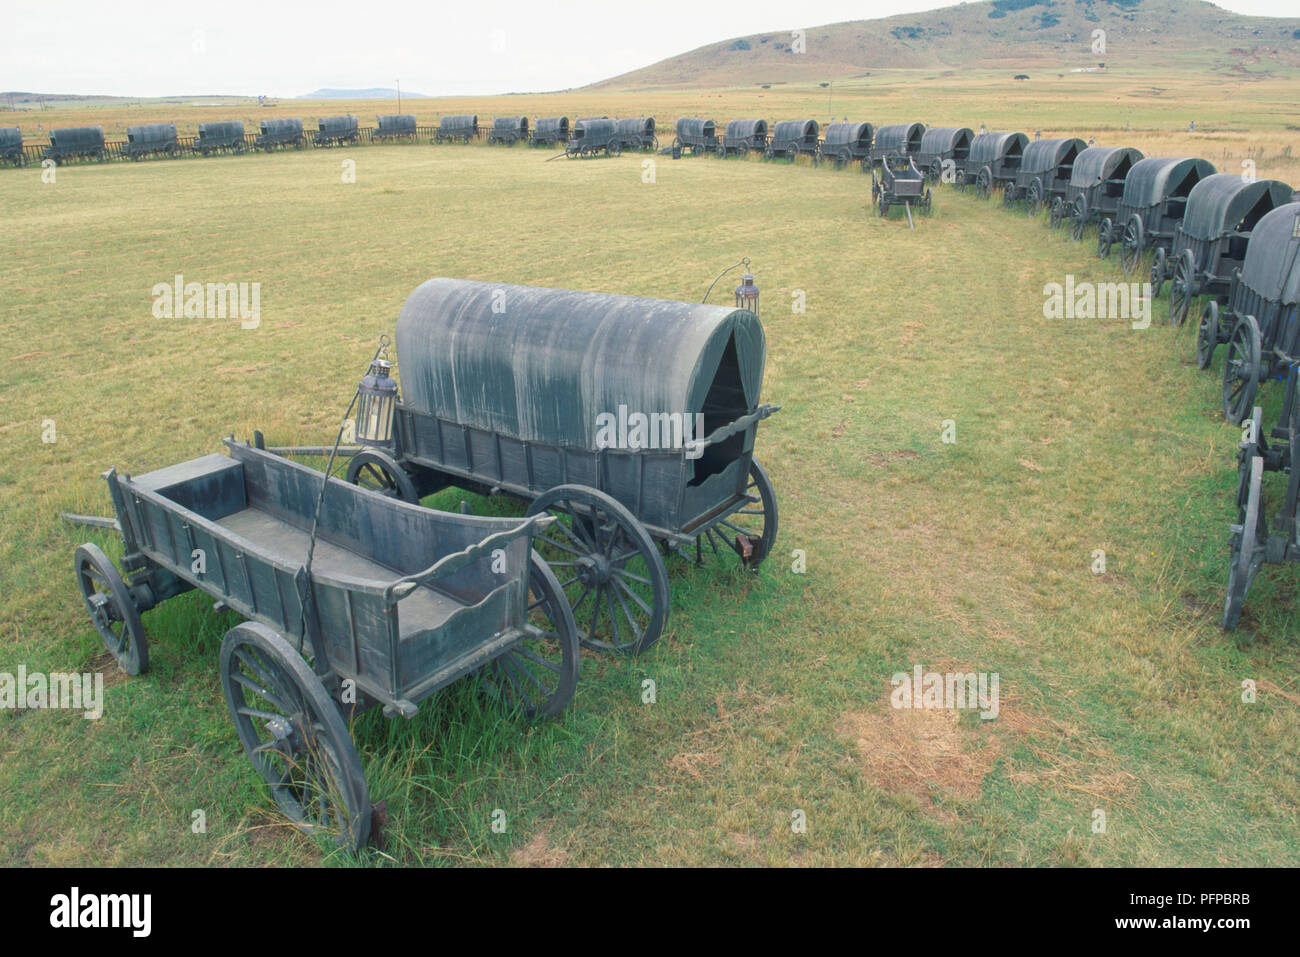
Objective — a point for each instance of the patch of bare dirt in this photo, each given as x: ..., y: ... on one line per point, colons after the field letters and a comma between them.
x: 105, y: 664
x: 539, y: 853
x: 883, y: 459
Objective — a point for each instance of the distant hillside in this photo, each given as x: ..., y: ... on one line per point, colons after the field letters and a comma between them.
x: 373, y: 93
x: 1017, y: 35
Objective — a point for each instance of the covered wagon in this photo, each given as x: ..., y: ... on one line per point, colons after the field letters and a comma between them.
x: 697, y: 135
x: 83, y: 141
x: 637, y: 133
x: 1095, y: 189
x: 993, y: 162
x: 743, y: 137
x: 1045, y: 169
x: 337, y: 130
x: 792, y: 138
x: 845, y: 143
x: 11, y: 145
x: 902, y: 138
x: 1154, y: 203
x: 142, y: 141
x: 592, y: 135
x: 509, y: 130
x: 394, y: 126
x: 456, y: 129
x: 221, y: 135
x: 945, y: 152
x: 550, y: 131
x: 280, y: 133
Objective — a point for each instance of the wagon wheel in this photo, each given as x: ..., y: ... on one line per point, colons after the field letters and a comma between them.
x: 935, y: 172
x: 769, y: 154
x: 294, y: 734
x: 378, y: 472
x: 112, y: 610
x: 1008, y: 196
x: 609, y: 567
x: 984, y: 183
x: 926, y: 203
x: 1057, y: 215
x: 721, y: 151
x: 1034, y: 198
x: 1130, y: 250
x: 816, y: 156
x: 613, y: 149
x: 653, y: 144
x: 959, y: 180
x: 1249, y: 538
x: 1078, y: 218
x: 1183, y: 288
x: 742, y: 151
x: 1207, y: 335
x: 791, y: 155
x: 1241, y: 370
x: 749, y: 532
x: 537, y: 676
x: 1159, y: 268
x: 1105, y: 237
x: 677, y: 143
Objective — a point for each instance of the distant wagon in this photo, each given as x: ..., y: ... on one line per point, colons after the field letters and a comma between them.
x: 11, y: 145
x: 509, y: 130
x: 550, y: 131
x: 993, y: 163
x: 945, y: 149
x: 218, y: 136
x: 83, y: 141
x: 904, y: 138
x: 845, y: 143
x: 337, y: 130
x: 697, y: 135
x: 457, y: 129
x: 395, y: 126
x: 1260, y: 320
x: 1212, y: 239
x: 899, y: 183
x: 1154, y: 203
x: 280, y: 133
x: 592, y: 135
x: 1095, y: 189
x: 743, y: 137
x: 637, y: 133
x: 790, y: 138
x: 1045, y: 169
x: 147, y: 140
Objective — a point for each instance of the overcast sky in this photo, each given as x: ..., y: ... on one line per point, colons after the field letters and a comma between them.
x: 436, y: 47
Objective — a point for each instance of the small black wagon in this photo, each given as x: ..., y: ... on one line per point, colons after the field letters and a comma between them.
x: 80, y: 141
x: 1211, y: 241
x: 904, y: 138
x: 509, y: 130
x: 11, y: 145
x: 218, y: 136
x: 697, y: 135
x: 743, y: 137
x: 637, y: 133
x: 993, y: 163
x: 1154, y: 203
x: 456, y: 129
x: 1095, y: 189
x: 945, y: 153
x: 280, y: 133
x: 337, y: 131
x: 592, y: 135
x: 900, y: 183
x: 388, y: 601
x: 791, y: 138
x: 632, y: 420
x: 550, y: 131
x: 394, y: 126
x: 845, y: 143
x: 1044, y: 174
x: 153, y: 138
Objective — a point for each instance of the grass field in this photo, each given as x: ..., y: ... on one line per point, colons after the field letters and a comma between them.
x: 1119, y: 693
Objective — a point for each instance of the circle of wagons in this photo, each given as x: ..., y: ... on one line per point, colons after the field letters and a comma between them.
x: 511, y: 601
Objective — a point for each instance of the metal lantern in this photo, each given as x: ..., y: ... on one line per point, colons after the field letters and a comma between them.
x: 747, y: 292
x: 376, y: 400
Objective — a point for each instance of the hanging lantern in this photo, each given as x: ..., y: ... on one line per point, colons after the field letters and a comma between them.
x: 747, y: 292
x: 376, y: 400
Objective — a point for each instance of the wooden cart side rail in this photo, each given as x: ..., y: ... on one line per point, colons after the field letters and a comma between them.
x: 450, y: 564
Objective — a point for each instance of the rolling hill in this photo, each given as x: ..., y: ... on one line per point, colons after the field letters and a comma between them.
x: 1018, y: 35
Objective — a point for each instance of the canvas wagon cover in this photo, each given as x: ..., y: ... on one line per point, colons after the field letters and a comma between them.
x: 850, y: 134
x: 990, y: 147
x: 943, y: 139
x: 151, y: 133
x: 794, y: 131
x: 1153, y: 180
x: 510, y: 124
x: 78, y: 136
x: 10, y: 136
x: 692, y: 126
x: 543, y: 363
x: 222, y: 129
x: 637, y: 125
x: 282, y: 127
x: 337, y: 124
x: 900, y: 136
x: 596, y: 127
x: 1272, y: 266
x: 552, y: 124
x: 397, y: 122
x: 1095, y: 165
x: 1219, y: 202
x: 745, y: 129
x: 1043, y: 156
x: 467, y: 121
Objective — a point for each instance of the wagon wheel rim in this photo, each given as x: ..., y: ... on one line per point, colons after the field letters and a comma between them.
x: 750, y: 531
x: 1157, y: 274
x: 537, y: 676
x: 608, y: 566
x: 1207, y: 335
x: 1078, y: 218
x: 112, y: 610
x: 378, y: 472
x: 294, y: 735
x: 1105, y: 238
x: 1130, y: 250
x: 1248, y: 541
x: 1183, y: 288
x: 1241, y: 369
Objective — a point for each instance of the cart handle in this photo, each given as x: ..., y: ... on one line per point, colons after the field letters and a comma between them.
x: 450, y: 564
x: 724, y: 432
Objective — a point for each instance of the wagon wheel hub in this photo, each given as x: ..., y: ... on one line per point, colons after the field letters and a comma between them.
x: 286, y: 737
x: 594, y: 570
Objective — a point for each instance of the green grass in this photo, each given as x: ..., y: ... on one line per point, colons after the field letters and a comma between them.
x: 1118, y: 691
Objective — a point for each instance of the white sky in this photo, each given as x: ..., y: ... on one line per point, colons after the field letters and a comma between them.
x: 288, y: 47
